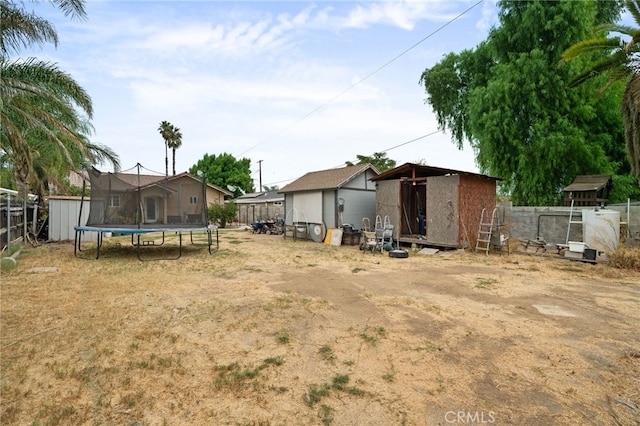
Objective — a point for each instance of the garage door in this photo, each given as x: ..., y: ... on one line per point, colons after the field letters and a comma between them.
x: 307, y: 207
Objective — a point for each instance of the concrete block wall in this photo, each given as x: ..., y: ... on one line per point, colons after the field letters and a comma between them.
x: 552, y: 223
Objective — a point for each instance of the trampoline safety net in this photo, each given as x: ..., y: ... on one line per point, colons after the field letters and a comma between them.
x: 136, y: 200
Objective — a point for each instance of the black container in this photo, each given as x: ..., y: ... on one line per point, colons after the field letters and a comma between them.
x: 589, y: 254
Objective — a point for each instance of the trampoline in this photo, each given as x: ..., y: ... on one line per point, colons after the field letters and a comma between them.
x: 138, y: 204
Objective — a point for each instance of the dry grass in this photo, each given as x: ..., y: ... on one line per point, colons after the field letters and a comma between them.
x: 625, y: 258
x: 276, y: 332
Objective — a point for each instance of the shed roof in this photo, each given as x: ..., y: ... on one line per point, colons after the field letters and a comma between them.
x: 328, y: 179
x: 589, y: 183
x: 412, y: 170
x: 259, y: 197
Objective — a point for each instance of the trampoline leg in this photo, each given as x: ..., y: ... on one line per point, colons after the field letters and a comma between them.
x: 99, y: 245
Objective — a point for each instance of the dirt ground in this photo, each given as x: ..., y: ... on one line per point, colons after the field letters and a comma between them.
x: 268, y: 331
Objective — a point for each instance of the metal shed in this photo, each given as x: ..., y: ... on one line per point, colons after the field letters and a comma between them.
x: 63, y: 216
x: 434, y: 206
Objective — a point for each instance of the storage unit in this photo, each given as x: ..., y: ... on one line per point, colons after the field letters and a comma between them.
x: 434, y: 206
x: 63, y: 217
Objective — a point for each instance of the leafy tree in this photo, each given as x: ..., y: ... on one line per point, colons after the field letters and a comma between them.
x: 616, y: 58
x: 513, y: 104
x: 223, y: 213
x: 267, y: 188
x: 172, y: 139
x: 379, y: 160
x: 226, y: 171
x: 44, y: 112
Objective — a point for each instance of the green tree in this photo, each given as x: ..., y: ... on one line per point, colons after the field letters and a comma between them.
x: 45, y: 114
x: 226, y: 171
x: 616, y: 57
x: 513, y: 104
x: 172, y: 139
x: 379, y: 160
x: 223, y: 213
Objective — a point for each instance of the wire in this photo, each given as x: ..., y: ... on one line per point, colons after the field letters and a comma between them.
x: 386, y: 150
x: 357, y: 83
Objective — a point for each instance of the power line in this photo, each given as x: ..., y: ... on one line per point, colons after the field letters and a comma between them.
x: 404, y: 52
x: 386, y: 150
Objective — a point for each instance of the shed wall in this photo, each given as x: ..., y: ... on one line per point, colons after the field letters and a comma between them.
x: 475, y: 193
x: 63, y: 217
x: 387, y: 203
x: 357, y: 204
x: 442, y: 210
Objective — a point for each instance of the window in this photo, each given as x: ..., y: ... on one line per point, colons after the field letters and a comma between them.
x: 114, y: 201
x: 193, y: 200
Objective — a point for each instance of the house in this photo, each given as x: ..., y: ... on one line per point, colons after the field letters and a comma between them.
x: 434, y: 206
x: 258, y: 206
x: 588, y: 190
x: 330, y: 199
x: 127, y: 199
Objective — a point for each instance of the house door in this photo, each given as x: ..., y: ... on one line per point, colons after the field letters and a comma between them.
x: 150, y: 210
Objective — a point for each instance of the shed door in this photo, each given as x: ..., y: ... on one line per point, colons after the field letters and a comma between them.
x: 307, y: 207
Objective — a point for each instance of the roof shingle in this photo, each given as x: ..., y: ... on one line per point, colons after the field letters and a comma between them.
x: 327, y: 179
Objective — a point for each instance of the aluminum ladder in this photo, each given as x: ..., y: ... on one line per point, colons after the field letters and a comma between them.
x: 485, y: 230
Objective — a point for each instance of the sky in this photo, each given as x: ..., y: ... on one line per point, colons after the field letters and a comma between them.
x: 294, y: 86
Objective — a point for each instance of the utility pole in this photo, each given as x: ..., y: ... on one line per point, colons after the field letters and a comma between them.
x: 260, y: 174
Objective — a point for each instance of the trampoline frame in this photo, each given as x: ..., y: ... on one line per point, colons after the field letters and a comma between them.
x: 139, y: 231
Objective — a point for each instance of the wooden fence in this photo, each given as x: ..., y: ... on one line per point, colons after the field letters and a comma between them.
x: 13, y: 220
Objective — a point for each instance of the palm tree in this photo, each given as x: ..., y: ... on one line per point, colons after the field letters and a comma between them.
x: 619, y: 60
x: 166, y: 131
x: 175, y: 143
x: 40, y: 122
x: 43, y: 133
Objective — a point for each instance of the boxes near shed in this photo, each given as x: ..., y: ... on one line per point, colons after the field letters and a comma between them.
x: 577, y: 247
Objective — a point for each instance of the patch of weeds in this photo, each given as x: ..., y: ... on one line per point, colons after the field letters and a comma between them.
x: 130, y: 400
x: 349, y: 363
x: 235, y: 377
x: 371, y: 336
x: 428, y: 347
x: 165, y: 362
x: 340, y: 381
x: 283, y: 302
x: 441, y: 388
x: 173, y: 338
x: 278, y: 360
x: 283, y: 337
x: 539, y: 371
x: 390, y: 375
x: 326, y: 414
x: 485, y: 282
x: 315, y: 394
x: 356, y: 270
x: 134, y: 345
x: 326, y: 353
x: 368, y: 295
